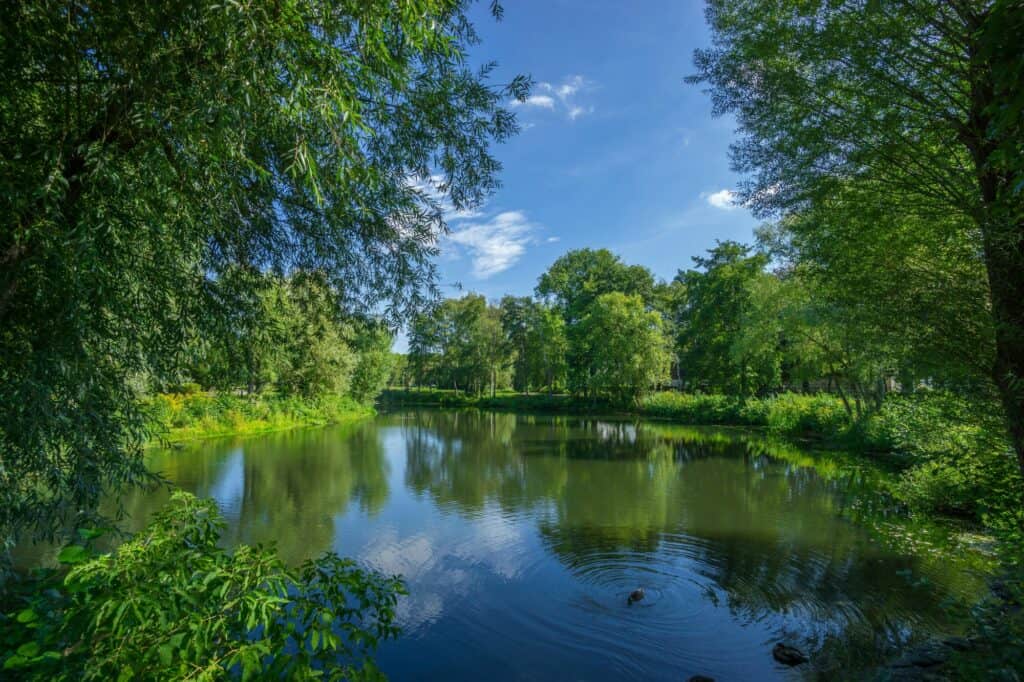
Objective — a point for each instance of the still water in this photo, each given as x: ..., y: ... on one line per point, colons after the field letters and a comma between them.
x: 520, y: 538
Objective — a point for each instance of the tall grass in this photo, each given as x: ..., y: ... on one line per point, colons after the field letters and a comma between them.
x: 176, y: 417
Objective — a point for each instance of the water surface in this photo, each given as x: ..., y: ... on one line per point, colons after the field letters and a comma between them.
x: 521, y: 536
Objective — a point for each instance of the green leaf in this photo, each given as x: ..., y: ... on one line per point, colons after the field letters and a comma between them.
x: 28, y: 649
x: 90, y: 533
x: 27, y: 616
x: 15, y: 661
x: 73, y: 554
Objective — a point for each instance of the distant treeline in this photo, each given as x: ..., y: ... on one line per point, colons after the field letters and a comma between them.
x: 289, y: 337
x: 740, y: 324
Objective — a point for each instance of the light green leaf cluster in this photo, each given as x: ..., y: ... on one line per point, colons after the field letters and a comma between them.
x: 170, y: 603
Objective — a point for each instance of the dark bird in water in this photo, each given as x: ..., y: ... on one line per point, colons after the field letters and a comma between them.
x: 635, y: 595
x: 788, y: 655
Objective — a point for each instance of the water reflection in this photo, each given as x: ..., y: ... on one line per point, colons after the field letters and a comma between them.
x: 521, y: 535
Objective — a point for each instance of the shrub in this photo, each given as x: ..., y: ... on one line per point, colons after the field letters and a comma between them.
x: 955, y: 449
x: 821, y: 415
x: 170, y: 603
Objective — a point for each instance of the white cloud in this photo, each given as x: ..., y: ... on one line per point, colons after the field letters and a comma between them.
x: 496, y: 245
x: 576, y: 112
x: 724, y: 199
x: 431, y: 187
x: 543, y: 101
x: 561, y: 97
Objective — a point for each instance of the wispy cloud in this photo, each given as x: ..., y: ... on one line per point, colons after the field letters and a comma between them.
x: 431, y: 187
x: 543, y: 101
x: 497, y: 244
x: 724, y: 199
x: 561, y: 97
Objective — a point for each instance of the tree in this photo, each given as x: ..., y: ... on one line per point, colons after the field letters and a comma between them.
x: 152, y: 147
x: 461, y: 343
x: 576, y: 279
x: 915, y: 100
x: 714, y: 353
x: 624, y: 347
x: 375, y: 362
x: 516, y: 321
x: 547, y: 347
x: 536, y: 335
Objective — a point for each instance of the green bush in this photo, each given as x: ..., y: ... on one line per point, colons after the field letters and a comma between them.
x: 171, y: 604
x: 181, y: 416
x: 957, y: 457
x: 821, y: 415
x: 697, y: 408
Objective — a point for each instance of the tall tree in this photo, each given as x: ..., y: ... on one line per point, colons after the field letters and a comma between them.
x: 714, y: 351
x: 624, y: 349
x: 576, y: 279
x: 918, y: 99
x: 150, y: 147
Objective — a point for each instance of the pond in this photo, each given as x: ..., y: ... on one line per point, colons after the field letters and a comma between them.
x: 521, y: 536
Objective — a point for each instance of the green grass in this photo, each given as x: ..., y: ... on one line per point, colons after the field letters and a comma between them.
x: 790, y: 414
x: 176, y: 417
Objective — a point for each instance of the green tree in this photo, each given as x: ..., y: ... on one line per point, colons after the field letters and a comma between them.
x: 916, y: 105
x: 374, y: 361
x: 152, y: 147
x: 461, y: 343
x: 576, y: 279
x: 714, y: 351
x: 624, y: 349
x: 547, y: 347
x: 536, y: 335
x: 316, y: 358
x: 516, y: 321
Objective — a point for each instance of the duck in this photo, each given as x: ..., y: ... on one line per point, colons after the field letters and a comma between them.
x: 636, y: 595
x: 788, y: 655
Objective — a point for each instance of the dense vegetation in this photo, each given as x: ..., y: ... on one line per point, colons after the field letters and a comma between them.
x: 883, y: 145
x: 217, y: 212
x: 234, y: 195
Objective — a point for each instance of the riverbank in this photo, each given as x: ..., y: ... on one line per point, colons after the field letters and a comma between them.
x: 819, y: 417
x: 949, y: 453
x: 179, y: 417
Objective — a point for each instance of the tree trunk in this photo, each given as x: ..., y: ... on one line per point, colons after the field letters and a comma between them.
x: 1004, y: 261
x: 1002, y: 229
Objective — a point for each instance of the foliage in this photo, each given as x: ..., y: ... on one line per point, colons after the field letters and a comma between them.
x: 717, y: 347
x: 460, y: 342
x: 177, y: 417
x: 536, y: 334
x: 958, y: 460
x: 621, y: 349
x: 579, y: 277
x: 818, y: 416
x: 375, y: 363
x: 906, y: 115
x: 153, y: 148
x: 169, y: 603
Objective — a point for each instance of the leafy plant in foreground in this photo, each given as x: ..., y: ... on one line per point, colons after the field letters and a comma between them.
x: 170, y: 603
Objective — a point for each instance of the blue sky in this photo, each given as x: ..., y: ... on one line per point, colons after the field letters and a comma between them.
x: 616, y: 150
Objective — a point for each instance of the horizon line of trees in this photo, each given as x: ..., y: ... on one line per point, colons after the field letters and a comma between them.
x: 734, y: 324
x: 289, y: 337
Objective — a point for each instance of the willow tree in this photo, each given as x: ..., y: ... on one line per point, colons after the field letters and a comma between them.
x: 916, y: 103
x: 149, y: 147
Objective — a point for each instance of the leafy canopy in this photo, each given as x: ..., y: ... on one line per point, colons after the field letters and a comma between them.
x: 151, y: 148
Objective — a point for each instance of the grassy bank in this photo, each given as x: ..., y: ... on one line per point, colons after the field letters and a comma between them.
x: 175, y: 417
x: 950, y: 452
x: 821, y: 416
